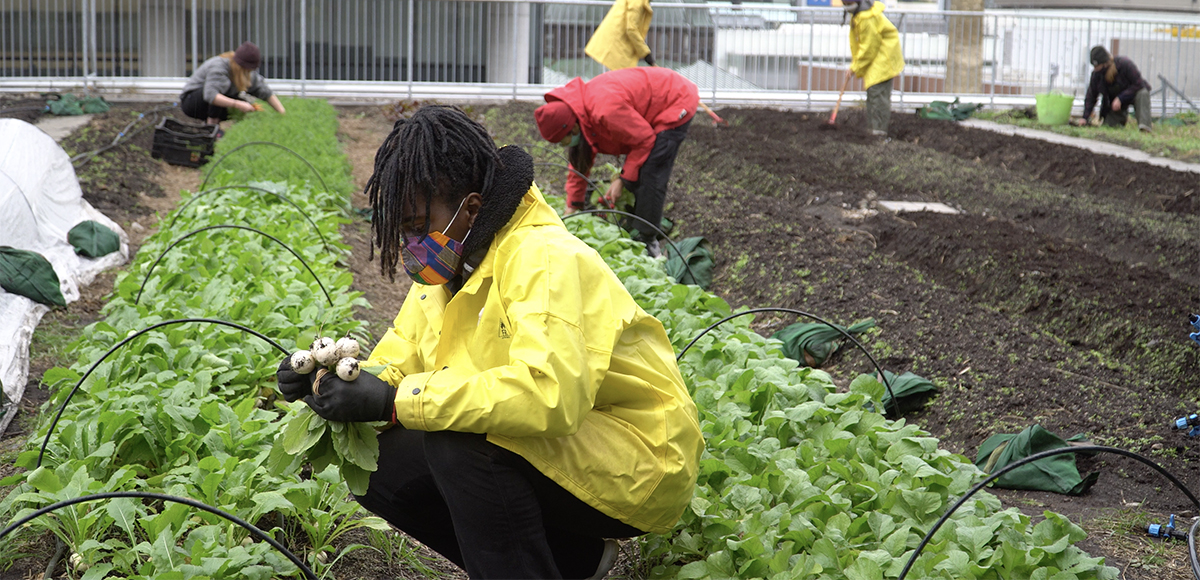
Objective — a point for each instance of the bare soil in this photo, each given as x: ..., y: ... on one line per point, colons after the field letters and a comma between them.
x: 1060, y: 296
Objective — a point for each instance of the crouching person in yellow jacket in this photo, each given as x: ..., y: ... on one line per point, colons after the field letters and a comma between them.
x: 538, y: 410
x: 876, y: 58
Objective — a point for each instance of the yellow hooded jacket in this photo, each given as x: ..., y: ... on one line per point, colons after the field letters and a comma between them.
x: 546, y: 352
x: 620, y: 40
x: 875, y: 46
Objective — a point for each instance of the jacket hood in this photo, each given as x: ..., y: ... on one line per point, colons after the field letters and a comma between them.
x: 572, y: 94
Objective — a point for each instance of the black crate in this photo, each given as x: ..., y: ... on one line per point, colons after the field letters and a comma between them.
x: 181, y: 144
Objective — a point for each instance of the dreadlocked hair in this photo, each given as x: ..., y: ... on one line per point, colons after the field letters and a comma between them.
x: 439, y: 151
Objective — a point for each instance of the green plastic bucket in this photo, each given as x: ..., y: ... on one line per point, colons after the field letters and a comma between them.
x: 1054, y: 108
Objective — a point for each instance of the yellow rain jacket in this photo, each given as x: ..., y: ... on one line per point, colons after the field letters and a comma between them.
x: 875, y: 46
x: 545, y: 351
x: 620, y: 40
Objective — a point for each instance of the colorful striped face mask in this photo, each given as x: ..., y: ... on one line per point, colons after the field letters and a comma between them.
x: 434, y: 259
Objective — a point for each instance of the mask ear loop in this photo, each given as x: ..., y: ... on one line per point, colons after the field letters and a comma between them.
x: 456, y: 212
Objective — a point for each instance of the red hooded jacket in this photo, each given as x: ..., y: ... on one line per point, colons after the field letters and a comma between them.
x: 621, y: 112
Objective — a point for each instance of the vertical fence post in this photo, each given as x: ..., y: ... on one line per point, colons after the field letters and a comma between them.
x: 94, y: 44
x: 195, y: 36
x: 812, y: 29
x: 713, y: 57
x: 516, y: 32
x: 995, y: 41
x: 87, y: 41
x: 1178, y: 61
x: 303, y: 48
x: 903, y: 30
x: 408, y: 39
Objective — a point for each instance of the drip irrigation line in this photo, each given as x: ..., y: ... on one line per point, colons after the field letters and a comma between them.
x: 10, y: 109
x: 117, y: 346
x: 233, y: 227
x: 1044, y: 454
x: 254, y: 530
x: 1192, y: 548
x: 87, y: 156
x: 678, y: 252
x: 213, y: 166
x: 285, y: 198
x: 882, y: 377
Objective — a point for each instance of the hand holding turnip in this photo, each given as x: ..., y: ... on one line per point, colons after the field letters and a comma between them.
x: 325, y: 356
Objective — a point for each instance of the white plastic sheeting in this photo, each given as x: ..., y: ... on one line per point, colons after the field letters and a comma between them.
x: 40, y: 201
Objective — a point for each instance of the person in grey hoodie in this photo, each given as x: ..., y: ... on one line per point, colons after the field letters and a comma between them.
x: 217, y: 84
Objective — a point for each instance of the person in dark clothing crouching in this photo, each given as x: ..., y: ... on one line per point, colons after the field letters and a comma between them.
x: 1118, y: 84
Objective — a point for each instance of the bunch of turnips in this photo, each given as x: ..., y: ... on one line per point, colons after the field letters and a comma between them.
x: 340, y: 357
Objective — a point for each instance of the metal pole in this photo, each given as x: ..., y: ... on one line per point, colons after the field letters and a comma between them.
x: 516, y: 32
x: 903, y: 29
x: 409, y: 40
x: 812, y: 29
x: 303, y: 48
x: 995, y: 37
x: 87, y: 41
x: 93, y: 38
x: 195, y: 36
x: 1178, y: 56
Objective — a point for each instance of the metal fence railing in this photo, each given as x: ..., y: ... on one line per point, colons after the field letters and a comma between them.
x: 517, y: 49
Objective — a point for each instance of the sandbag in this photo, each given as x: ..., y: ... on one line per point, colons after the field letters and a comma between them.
x: 944, y: 111
x: 912, y: 392
x: 813, y: 343
x: 30, y: 275
x: 92, y: 239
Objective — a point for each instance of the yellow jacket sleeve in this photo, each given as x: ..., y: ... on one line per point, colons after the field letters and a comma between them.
x: 637, y: 25
x: 620, y: 40
x: 555, y: 365
x: 875, y: 47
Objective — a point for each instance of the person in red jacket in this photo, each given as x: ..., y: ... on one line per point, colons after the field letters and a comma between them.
x: 642, y: 113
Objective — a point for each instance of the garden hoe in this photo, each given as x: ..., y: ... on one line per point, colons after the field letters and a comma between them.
x: 832, y: 124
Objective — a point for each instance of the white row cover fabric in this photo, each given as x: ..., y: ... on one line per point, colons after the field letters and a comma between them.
x: 40, y: 201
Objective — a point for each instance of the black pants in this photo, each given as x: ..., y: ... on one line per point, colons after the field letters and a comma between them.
x: 192, y: 104
x: 485, y: 508
x: 650, y: 190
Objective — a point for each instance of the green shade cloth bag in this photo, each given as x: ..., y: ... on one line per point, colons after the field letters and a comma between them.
x: 944, y: 111
x: 699, y: 258
x: 812, y: 343
x: 1057, y: 474
x: 28, y: 274
x: 92, y: 239
x: 912, y: 392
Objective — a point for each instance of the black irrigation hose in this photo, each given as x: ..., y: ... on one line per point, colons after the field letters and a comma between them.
x: 1036, y: 456
x: 1192, y: 548
x: 255, y: 531
x: 228, y: 226
x: 88, y: 155
x: 75, y: 389
x: 198, y: 195
x: 678, y: 252
x: 213, y: 166
x: 878, y: 369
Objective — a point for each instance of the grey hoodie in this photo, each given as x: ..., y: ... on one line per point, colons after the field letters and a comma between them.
x: 213, y: 77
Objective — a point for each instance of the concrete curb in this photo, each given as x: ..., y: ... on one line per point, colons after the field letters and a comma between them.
x: 1099, y: 147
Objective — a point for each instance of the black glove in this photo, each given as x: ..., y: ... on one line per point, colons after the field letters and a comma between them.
x: 292, y: 384
x: 650, y: 59
x: 367, y: 398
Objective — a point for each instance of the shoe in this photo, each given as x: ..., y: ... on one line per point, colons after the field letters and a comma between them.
x: 653, y: 249
x: 1144, y: 128
x: 878, y: 133
x: 607, y: 559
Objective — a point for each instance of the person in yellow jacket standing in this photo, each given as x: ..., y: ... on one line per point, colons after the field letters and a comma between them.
x: 875, y: 50
x: 620, y: 40
x: 538, y: 409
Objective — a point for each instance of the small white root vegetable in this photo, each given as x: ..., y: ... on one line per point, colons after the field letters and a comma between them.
x: 347, y: 369
x: 77, y: 563
x: 302, y: 362
x: 324, y: 350
x: 347, y: 347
